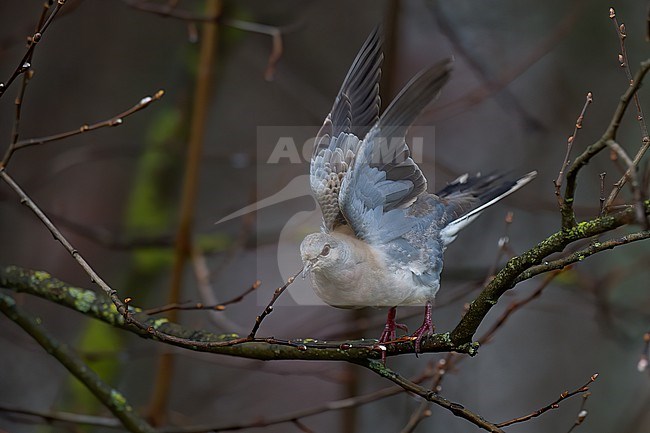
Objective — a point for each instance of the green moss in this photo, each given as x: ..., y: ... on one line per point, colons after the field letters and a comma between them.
x: 83, y: 299
x: 159, y: 322
x: 41, y: 276
x: 107, y: 311
x: 472, y: 348
x: 226, y: 337
x: 446, y: 337
x: 97, y: 340
x: 587, y: 228
x: 119, y: 401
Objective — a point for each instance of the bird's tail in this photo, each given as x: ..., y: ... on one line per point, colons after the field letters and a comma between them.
x: 466, y: 197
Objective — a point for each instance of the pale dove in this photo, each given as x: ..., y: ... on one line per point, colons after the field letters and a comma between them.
x: 383, y: 235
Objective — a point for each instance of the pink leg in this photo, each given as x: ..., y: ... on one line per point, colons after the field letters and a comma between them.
x: 391, y: 325
x: 389, y: 331
x: 426, y: 328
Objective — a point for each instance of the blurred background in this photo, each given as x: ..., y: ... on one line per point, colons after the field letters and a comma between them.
x: 521, y: 73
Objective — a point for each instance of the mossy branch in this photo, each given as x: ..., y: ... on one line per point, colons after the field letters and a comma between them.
x: 97, y: 306
x: 515, y: 270
x: 110, y: 397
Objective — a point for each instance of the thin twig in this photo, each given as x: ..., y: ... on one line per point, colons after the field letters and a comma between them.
x: 452, y: 359
x: 258, y: 422
x: 200, y: 306
x: 18, y: 102
x: 277, y: 46
x: 121, y: 306
x: 601, y: 199
x: 645, y: 138
x: 461, y: 48
x: 509, y: 74
x: 582, y: 254
x: 582, y: 412
x: 420, y: 414
x: 116, y: 120
x: 170, y: 11
x: 64, y: 417
x: 643, y: 360
x: 560, y: 176
x: 515, y: 306
x: 432, y: 396
x: 32, y: 41
x: 329, y: 406
x: 631, y: 173
x: 301, y: 426
x: 503, y: 247
x: 554, y: 405
x: 624, y: 61
x: 513, y: 272
x: 95, y: 278
x: 568, y: 216
x: 27, y: 76
x: 108, y: 396
x: 110, y: 239
x: 423, y: 412
x: 27, y: 73
x: 275, y: 32
x: 208, y: 294
x: 269, y: 308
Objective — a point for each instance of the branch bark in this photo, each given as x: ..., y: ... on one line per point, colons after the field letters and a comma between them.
x: 509, y: 276
x: 429, y: 395
x: 568, y: 216
x: 110, y: 397
x: 92, y: 304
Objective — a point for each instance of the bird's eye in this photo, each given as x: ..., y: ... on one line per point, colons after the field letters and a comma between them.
x: 326, y: 250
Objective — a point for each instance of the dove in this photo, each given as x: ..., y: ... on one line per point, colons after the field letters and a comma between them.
x: 383, y: 235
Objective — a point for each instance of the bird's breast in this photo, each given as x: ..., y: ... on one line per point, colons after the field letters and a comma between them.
x: 365, y: 278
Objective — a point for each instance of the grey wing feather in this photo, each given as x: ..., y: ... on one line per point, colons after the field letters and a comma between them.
x: 355, y: 110
x: 327, y: 171
x: 439, y: 217
x: 419, y: 249
x: 413, y: 98
x: 384, y: 181
x: 424, y: 238
x: 390, y: 152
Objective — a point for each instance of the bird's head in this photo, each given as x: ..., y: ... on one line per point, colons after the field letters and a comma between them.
x: 321, y: 251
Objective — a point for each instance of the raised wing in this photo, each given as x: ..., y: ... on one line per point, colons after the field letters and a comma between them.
x: 355, y: 111
x: 384, y: 181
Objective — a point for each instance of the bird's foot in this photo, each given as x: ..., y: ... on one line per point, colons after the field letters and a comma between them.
x: 389, y: 334
x: 391, y: 326
x: 427, y: 328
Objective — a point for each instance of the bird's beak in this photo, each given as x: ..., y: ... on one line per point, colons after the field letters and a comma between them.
x: 307, y: 267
